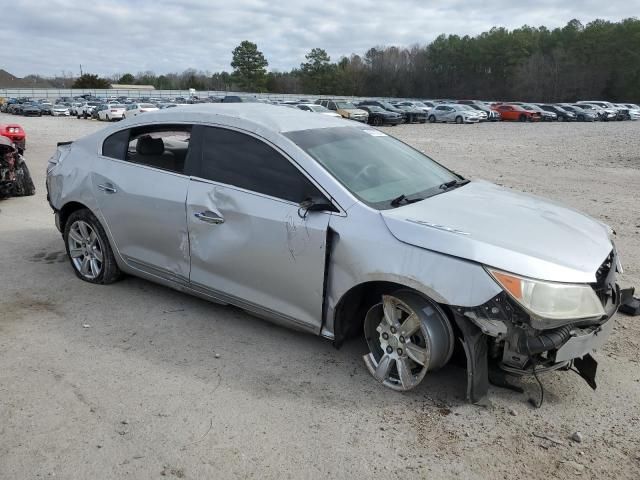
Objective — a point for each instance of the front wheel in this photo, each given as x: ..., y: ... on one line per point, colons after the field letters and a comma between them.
x: 407, y: 335
x: 459, y: 120
x: 88, y: 249
x: 377, y: 121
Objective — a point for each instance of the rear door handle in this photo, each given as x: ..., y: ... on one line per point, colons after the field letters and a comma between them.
x: 107, y: 188
x: 209, y: 217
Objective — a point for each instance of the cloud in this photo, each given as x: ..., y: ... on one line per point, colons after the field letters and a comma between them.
x: 118, y: 36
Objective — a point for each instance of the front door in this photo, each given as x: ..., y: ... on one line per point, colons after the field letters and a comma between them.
x: 251, y: 244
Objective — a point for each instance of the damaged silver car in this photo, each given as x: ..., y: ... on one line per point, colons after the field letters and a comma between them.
x: 337, y: 229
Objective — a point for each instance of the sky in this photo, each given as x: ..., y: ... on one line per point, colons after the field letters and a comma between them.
x: 108, y: 37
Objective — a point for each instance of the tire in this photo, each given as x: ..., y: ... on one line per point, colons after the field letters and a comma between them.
x: 407, y: 335
x: 432, y: 119
x: 377, y: 121
x: 459, y: 120
x: 23, y: 186
x: 78, y: 116
x: 93, y: 260
x: 560, y: 118
x: 581, y: 118
x: 522, y: 118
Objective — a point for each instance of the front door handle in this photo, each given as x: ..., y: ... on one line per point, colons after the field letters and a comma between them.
x: 209, y: 217
x: 107, y: 188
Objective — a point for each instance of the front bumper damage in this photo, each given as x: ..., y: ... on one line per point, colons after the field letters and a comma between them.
x: 500, y: 339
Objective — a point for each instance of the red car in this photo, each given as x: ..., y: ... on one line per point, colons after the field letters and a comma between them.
x: 15, y: 133
x: 516, y: 113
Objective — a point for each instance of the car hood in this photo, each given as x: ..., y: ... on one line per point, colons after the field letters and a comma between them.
x: 353, y: 110
x: 511, y: 231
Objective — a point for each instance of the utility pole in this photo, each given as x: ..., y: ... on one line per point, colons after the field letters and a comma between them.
x: 80, y: 69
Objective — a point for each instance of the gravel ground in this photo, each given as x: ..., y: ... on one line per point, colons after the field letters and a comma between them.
x: 123, y: 380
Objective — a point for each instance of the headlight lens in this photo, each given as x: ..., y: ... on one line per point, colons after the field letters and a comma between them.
x: 550, y: 300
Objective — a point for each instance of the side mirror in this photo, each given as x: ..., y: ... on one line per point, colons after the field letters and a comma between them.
x: 315, y: 204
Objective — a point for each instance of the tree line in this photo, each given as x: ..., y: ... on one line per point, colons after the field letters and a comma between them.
x: 598, y: 60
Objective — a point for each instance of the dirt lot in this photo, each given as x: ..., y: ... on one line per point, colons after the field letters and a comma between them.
x: 123, y: 381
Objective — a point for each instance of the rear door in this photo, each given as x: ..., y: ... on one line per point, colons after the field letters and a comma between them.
x: 140, y: 182
x: 251, y: 243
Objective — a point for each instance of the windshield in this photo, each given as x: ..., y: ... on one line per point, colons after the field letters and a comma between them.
x: 318, y: 108
x: 147, y: 105
x: 373, y: 108
x: 345, y: 105
x: 373, y: 166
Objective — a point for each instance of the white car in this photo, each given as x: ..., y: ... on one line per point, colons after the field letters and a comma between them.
x: 312, y: 107
x: 60, y: 110
x: 135, y: 109
x: 113, y: 111
x: 453, y: 112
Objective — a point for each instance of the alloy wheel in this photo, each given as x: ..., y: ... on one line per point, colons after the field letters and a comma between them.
x: 407, y: 336
x: 85, y: 250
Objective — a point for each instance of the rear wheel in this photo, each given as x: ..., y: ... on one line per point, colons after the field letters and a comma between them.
x: 581, y: 118
x: 432, y: 119
x: 407, y: 335
x: 88, y: 248
x: 560, y: 118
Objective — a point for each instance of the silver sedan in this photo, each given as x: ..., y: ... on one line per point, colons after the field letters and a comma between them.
x: 340, y: 230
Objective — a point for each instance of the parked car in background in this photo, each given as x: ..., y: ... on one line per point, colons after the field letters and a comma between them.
x: 312, y: 107
x: 413, y: 114
x: 345, y: 109
x: 604, y: 115
x: 581, y: 114
x: 31, y: 110
x: 87, y: 109
x: 424, y: 260
x: 389, y: 107
x: 453, y: 112
x: 112, y: 111
x: 515, y: 113
x: 60, y: 110
x: 563, y: 115
x: 416, y: 104
x: 15, y: 133
x: 135, y: 109
x: 378, y: 116
x: 545, y: 116
x: 492, y: 115
x: 231, y: 99
x: 620, y: 113
x: 46, y: 108
x: 634, y: 110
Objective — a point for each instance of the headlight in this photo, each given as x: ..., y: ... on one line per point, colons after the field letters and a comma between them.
x: 550, y: 300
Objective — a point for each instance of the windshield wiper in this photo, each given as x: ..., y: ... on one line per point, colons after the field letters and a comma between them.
x: 453, y: 184
x: 399, y: 200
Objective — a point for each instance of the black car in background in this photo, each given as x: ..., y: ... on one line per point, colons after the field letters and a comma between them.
x: 379, y: 116
x: 31, y: 110
x: 582, y: 115
x: 563, y: 115
x: 407, y: 116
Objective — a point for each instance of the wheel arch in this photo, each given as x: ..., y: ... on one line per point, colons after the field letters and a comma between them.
x: 350, y: 309
x: 67, y: 209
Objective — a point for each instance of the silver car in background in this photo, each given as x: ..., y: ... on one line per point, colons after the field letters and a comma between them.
x: 454, y: 112
x: 337, y: 229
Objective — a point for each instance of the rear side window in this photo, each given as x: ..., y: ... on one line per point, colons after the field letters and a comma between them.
x: 160, y: 146
x: 115, y: 146
x: 237, y: 159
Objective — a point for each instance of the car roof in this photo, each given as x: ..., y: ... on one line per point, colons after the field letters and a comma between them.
x: 276, y: 118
